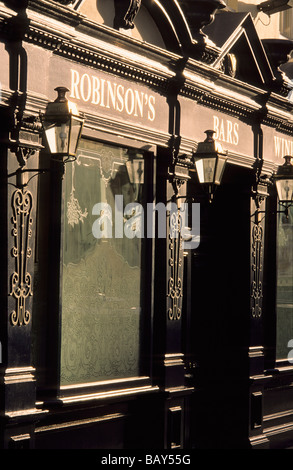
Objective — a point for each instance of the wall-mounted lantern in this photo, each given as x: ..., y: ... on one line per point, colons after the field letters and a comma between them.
x: 283, y: 180
x: 62, y: 126
x: 274, y: 6
x: 135, y: 171
x: 210, y: 161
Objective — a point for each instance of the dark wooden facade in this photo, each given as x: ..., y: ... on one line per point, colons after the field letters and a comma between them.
x: 209, y: 377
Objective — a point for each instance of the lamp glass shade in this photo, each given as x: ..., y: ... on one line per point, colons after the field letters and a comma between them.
x: 57, y: 136
x: 75, y: 134
x: 205, y: 168
x: 63, y: 137
x: 285, y: 190
x: 220, y: 169
x: 210, y: 169
x: 135, y: 169
x: 62, y: 125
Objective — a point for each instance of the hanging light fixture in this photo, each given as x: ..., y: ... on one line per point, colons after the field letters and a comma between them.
x: 284, y: 184
x: 62, y: 126
x: 135, y: 170
x: 274, y: 6
x: 210, y: 161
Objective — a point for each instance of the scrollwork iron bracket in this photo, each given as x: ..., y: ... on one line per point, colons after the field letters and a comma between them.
x: 178, y: 168
x: 175, y: 262
x: 21, y: 280
x: 23, y: 142
x: 259, y: 194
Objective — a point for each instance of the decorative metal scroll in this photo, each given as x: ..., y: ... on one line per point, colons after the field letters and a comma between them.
x: 175, y: 262
x: 21, y: 282
x: 256, y: 285
x: 125, y: 13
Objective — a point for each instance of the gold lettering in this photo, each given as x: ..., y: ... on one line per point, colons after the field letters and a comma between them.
x: 277, y: 146
x: 216, y: 126
x: 85, y: 96
x: 236, y: 134
x: 74, y: 84
x: 111, y: 95
x: 229, y: 132
x: 287, y: 147
x: 129, y: 104
x: 120, y: 103
x: 96, y: 90
x: 152, y: 112
x: 226, y: 130
x: 282, y: 146
x: 107, y: 93
x: 139, y: 102
x: 102, y: 102
x: 222, y: 131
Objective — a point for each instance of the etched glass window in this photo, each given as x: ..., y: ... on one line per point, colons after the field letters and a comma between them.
x: 284, y: 284
x: 103, y: 252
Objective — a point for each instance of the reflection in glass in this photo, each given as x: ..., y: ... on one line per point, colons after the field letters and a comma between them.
x: 102, y: 272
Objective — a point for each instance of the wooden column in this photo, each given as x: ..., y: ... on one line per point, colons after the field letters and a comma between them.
x: 18, y: 221
x: 169, y: 367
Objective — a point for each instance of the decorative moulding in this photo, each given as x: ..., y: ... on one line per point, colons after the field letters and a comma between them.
x: 278, y: 51
x: 125, y: 13
x: 200, y: 13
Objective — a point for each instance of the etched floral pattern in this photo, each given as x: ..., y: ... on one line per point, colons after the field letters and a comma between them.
x: 102, y: 278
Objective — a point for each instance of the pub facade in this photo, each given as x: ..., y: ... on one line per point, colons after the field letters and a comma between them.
x: 126, y: 323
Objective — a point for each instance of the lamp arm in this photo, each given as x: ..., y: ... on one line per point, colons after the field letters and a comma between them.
x: 257, y: 212
x: 20, y: 183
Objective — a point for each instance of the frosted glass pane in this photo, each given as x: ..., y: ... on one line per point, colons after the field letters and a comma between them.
x: 284, y: 284
x: 102, y: 284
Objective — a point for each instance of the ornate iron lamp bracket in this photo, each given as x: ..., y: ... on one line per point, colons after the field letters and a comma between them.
x: 259, y: 194
x: 24, y: 142
x: 21, y: 280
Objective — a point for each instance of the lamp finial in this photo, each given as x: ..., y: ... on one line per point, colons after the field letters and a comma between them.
x: 61, y: 90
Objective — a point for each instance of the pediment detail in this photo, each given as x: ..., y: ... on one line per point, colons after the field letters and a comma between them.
x: 245, y: 56
x: 236, y: 36
x: 200, y: 13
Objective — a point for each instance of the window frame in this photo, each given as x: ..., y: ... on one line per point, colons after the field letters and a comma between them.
x: 271, y: 363
x: 283, y: 304
x: 114, y: 387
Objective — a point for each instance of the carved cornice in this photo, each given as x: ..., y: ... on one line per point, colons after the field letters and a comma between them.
x: 278, y: 51
x: 75, y: 48
x: 58, y: 10
x: 200, y: 13
x: 222, y: 104
x: 160, y: 82
x: 96, y: 57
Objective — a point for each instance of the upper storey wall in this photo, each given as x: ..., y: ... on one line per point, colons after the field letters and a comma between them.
x: 103, y: 12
